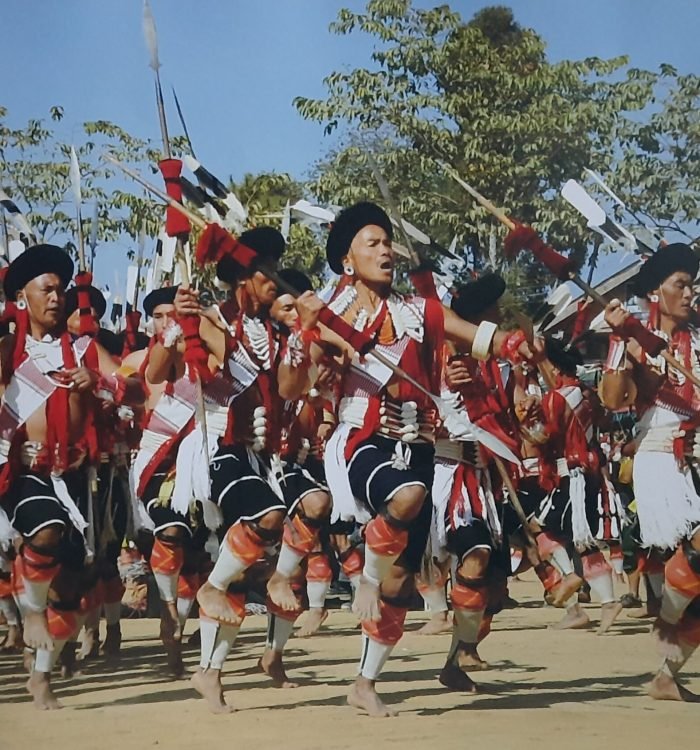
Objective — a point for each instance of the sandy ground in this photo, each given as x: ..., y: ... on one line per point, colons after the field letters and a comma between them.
x: 546, y: 689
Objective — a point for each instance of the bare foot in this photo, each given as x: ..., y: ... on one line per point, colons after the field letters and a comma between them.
x: 574, y: 619
x: 36, y: 631
x: 13, y: 640
x: 608, y: 614
x: 665, y: 688
x: 208, y: 685
x: 90, y: 644
x: 170, y: 636
x: 469, y: 660
x: 217, y: 607
x: 364, y: 696
x: 666, y: 637
x: 271, y: 664
x: 315, y: 617
x: 39, y: 686
x: 113, y: 641
x: 453, y: 678
x: 565, y: 589
x: 438, y: 623
x: 279, y: 589
x: 366, y: 602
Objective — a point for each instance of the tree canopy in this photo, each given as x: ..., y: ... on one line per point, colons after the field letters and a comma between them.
x: 482, y: 96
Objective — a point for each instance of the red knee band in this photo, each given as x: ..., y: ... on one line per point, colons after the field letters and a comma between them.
x: 166, y: 558
x: 353, y: 563
x: 389, y: 628
x: 237, y: 602
x: 289, y: 614
x: 318, y: 567
x: 244, y: 543
x: 5, y: 587
x: 547, y: 544
x: 548, y: 575
x: 299, y: 536
x: 689, y: 630
x: 473, y: 598
x: 37, y: 566
x: 187, y: 585
x: 384, y: 539
x: 651, y: 564
x: 594, y: 565
x: 680, y: 576
x: 112, y: 590
x: 61, y: 625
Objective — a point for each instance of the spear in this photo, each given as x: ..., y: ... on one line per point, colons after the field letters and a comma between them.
x: 74, y: 174
x: 149, y: 32
x: 522, y: 236
x: 92, y: 242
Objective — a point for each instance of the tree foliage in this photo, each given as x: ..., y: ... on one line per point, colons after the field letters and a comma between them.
x: 482, y: 96
x: 34, y: 164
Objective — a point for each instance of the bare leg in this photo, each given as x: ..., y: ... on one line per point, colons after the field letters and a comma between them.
x: 214, y: 602
x: 363, y: 695
x: 608, y: 614
x: 315, y: 617
x: 366, y: 602
x: 272, y: 665
x: 665, y: 688
x: 39, y: 686
x: 36, y: 631
x: 171, y: 637
x: 208, y: 684
x: 440, y: 622
x: 574, y: 619
x: 279, y: 589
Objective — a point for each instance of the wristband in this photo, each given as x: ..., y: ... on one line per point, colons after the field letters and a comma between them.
x: 481, y: 346
x: 509, y: 349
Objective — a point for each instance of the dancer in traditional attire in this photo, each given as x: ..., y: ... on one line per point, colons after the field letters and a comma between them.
x: 110, y: 508
x: 379, y: 463
x: 46, y: 429
x: 177, y: 541
x: 244, y: 407
x: 665, y: 466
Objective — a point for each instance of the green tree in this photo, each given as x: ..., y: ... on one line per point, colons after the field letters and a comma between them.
x: 34, y: 164
x: 482, y: 96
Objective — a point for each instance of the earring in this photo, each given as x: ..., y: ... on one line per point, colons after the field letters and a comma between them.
x: 22, y: 304
x: 348, y: 270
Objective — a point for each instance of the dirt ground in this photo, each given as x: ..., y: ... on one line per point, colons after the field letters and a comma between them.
x: 546, y: 689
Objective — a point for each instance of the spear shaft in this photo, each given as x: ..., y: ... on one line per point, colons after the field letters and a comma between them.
x: 596, y: 296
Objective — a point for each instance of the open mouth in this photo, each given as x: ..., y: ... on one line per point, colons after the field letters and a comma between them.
x: 387, y: 265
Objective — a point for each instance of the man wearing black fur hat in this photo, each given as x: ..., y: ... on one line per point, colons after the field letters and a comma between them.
x: 47, y: 427
x: 379, y: 463
x: 244, y: 407
x: 170, y: 407
x: 571, y: 482
x: 666, y: 462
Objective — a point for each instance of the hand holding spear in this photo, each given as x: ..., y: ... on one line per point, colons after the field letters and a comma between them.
x: 522, y: 236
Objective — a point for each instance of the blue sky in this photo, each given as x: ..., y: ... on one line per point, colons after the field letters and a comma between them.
x: 238, y: 64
